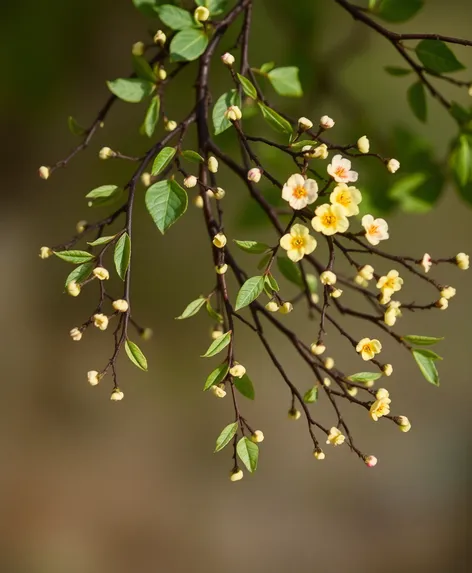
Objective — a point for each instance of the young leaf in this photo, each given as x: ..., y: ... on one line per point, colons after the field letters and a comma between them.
x: 250, y: 290
x: 276, y: 121
x: 245, y: 386
x: 143, y: 70
x: 311, y: 395
x: 285, y: 81
x: 461, y: 160
x: 271, y: 282
x: 80, y: 273
x: 104, y: 195
x: 248, y: 86
x: 220, y: 123
x: 217, y: 376
x: 364, y: 377
x: 74, y: 257
x: 265, y: 68
x: 417, y: 99
x: 192, y: 156
x: 218, y: 345
x: 188, y: 45
x: 162, y: 160
x: 175, y: 18
x: 252, y: 247
x: 425, y: 360
x: 227, y: 434
x: 147, y: 7
x: 74, y: 127
x: 397, y: 11
x: 213, y: 314
x: 406, y: 185
x: 122, y: 255
x: 422, y: 340
x: 249, y: 453
x: 396, y: 71
x: 135, y: 355
x: 437, y: 57
x: 152, y: 116
x: 166, y: 202
x: 102, y: 241
x: 131, y: 90
x: 192, y: 308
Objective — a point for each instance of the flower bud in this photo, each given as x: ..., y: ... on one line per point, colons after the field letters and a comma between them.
x: 370, y: 461
x: 160, y: 38
x: 146, y: 179
x: 319, y: 454
x: 221, y: 270
x: 81, y: 226
x: 393, y: 165
x: 272, y: 306
x: 328, y: 278
x: 387, y: 369
x: 257, y: 437
x: 352, y: 391
x: 170, y: 125
x: 201, y: 14
x: 403, y: 423
x: 75, y: 334
x: 294, y: 414
x: 237, y: 371
x: 426, y: 262
x: 236, y: 475
x: 233, y: 113
x: 73, y: 288
x: 209, y: 193
x: 120, y: 305
x: 228, y: 59
x: 327, y: 382
x: 329, y: 363
x: 442, y: 303
x: 216, y: 333
x: 106, y: 153
x: 162, y: 74
x: 45, y: 252
x: 93, y: 377
x: 219, y: 193
x: 326, y: 122
x: 44, y: 172
x: 101, y: 274
x: 286, y: 308
x: 213, y: 164
x: 254, y: 175
x: 448, y: 292
x: 360, y: 281
x: 462, y: 261
x: 100, y: 321
x: 117, y: 395
x: 304, y: 123
x: 138, y: 49
x: 336, y: 293
x: 382, y: 393
x: 146, y: 333
x: 315, y: 297
x: 320, y: 152
x: 367, y: 272
x: 363, y: 144
x: 219, y: 391
x: 190, y: 181
x: 198, y: 201
x: 219, y: 240
x: 317, y: 349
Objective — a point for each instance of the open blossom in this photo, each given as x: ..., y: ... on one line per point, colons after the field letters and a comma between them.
x: 330, y: 219
x: 340, y: 170
x: 300, y: 192
x: 348, y: 197
x: 376, y: 230
x: 328, y: 278
x: 237, y: 371
x: 368, y: 348
x: 335, y: 437
x: 100, y: 321
x: 392, y: 313
x: 381, y: 406
x: 426, y: 262
x: 388, y: 284
x: 298, y: 242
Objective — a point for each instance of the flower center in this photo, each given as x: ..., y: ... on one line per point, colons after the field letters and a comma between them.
x: 299, y: 192
x: 340, y: 171
x: 367, y: 348
x: 329, y: 220
x: 373, y: 230
x: 298, y: 242
x: 344, y: 199
x: 390, y: 283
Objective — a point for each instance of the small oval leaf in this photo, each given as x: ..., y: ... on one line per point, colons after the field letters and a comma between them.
x: 227, y: 434
x: 135, y: 355
x: 122, y: 255
x: 218, y: 345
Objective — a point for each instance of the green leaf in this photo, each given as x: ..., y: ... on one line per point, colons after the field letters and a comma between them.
x: 417, y: 99
x: 215, y: 6
x: 422, y: 340
x: 131, y: 90
x: 460, y: 114
x: 267, y: 67
x: 218, y: 345
x: 192, y: 156
x: 245, y: 387
x: 192, y: 308
x: 166, y: 202
x: 262, y: 264
x: 102, y: 241
x: 276, y: 121
x: 312, y: 282
x: 104, y: 195
x: 75, y: 128
x: 162, y: 160
x: 252, y: 247
x: 397, y: 71
x: 74, y: 257
x: 217, y: 376
x: 461, y: 160
x: 406, y: 185
x: 152, y: 116
x: 213, y: 314
x: 248, y: 86
x: 175, y: 18
x: 122, y: 255
x: 227, y: 434
x: 143, y: 70
x: 425, y: 360
x: 80, y: 273
x: 135, y: 355
x: 311, y: 395
x: 250, y: 290
x: 188, y: 45
x: 396, y: 11
x: 220, y: 122
x: 364, y: 377
x: 285, y: 81
x: 437, y: 57
x: 249, y: 453
x: 290, y: 271
x: 147, y: 7
x: 271, y: 282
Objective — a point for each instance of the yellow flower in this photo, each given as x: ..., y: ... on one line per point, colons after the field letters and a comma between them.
x: 45, y: 252
x: 376, y: 230
x: 116, y: 395
x: 363, y: 144
x: 201, y: 14
x: 101, y: 273
x: 368, y: 348
x: 348, y: 197
x: 462, y: 261
x: 100, y: 321
x: 237, y: 371
x: 379, y: 408
x: 330, y: 219
x: 392, y: 313
x: 335, y: 437
x: 236, y: 475
x: 298, y: 243
x: 219, y: 240
x: 300, y: 192
x: 76, y: 334
x: 388, y: 284
x: 120, y: 305
x: 257, y: 437
x: 73, y: 288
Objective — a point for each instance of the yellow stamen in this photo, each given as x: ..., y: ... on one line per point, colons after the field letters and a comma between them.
x: 299, y: 192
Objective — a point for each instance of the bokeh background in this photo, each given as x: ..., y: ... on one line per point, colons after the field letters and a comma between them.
x: 91, y: 486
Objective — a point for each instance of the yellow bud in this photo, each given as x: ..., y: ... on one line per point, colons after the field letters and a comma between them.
x: 272, y: 306
x: 146, y: 179
x: 100, y: 321
x: 219, y: 193
x: 219, y: 391
x: 328, y: 278
x: 294, y: 414
x: 81, y: 226
x: 101, y: 274
x: 201, y: 14
x: 317, y: 349
x: 73, y: 288
x: 237, y: 371
x: 236, y: 475
x: 336, y: 293
x: 93, y: 377
x: 393, y: 165
x: 387, y: 369
x: 106, y: 153
x: 44, y: 172
x: 257, y: 437
x: 146, y: 334
x: 233, y: 113
x: 212, y: 164
x: 327, y: 382
x: 117, y: 395
x: 326, y: 122
x: 403, y: 423
x: 462, y: 261
x: 304, y: 124
x: 228, y: 59
x: 170, y: 125
x: 221, y: 270
x: 160, y: 38
x: 329, y: 363
x: 442, y: 303
x: 448, y: 292
x: 162, y: 74
x: 76, y: 334
x: 138, y: 49
x: 286, y: 308
x: 319, y: 454
x: 45, y: 252
x: 219, y: 240
x: 120, y: 305
x: 198, y: 202
x: 363, y: 144
x: 190, y: 181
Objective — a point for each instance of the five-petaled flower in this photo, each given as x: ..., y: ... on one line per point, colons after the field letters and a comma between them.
x: 300, y: 192
x: 381, y: 406
x: 330, y: 219
x: 388, y: 284
x: 298, y: 243
x: 348, y: 197
x: 376, y: 230
x: 335, y: 437
x: 340, y: 170
x: 368, y: 348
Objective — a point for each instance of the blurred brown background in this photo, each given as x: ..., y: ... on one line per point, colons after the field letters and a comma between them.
x: 91, y: 486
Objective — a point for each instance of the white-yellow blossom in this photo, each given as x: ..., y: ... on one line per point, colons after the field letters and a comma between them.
x: 336, y: 293
x: 93, y: 377
x: 387, y: 369
x: 335, y: 437
x: 304, y: 123
x: 393, y: 165
x: 347, y: 197
x: 328, y: 278
x: 363, y: 144
x: 236, y: 475
x: 330, y: 219
x: 120, y: 305
x: 326, y: 122
x: 448, y: 292
x: 381, y: 406
x: 368, y: 348
x: 272, y: 306
x: 238, y: 371
x: 228, y: 59
x: 190, y: 181
x: 201, y: 14
x: 73, y: 288
x: 219, y: 391
x: 327, y: 382
x: 45, y: 252
x: 366, y: 272
x: 212, y: 164
x: 442, y: 303
x: 298, y: 242
x: 392, y: 313
x: 340, y: 170
x: 117, y: 395
x: 257, y: 437
x: 300, y: 192
x: 426, y: 262
x: 100, y: 321
x: 462, y: 261
x: 389, y: 284
x: 219, y: 240
x: 44, y: 172
x: 76, y: 334
x: 233, y: 113
x: 254, y: 175
x: 376, y: 230
x: 317, y: 349
x: 101, y: 273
